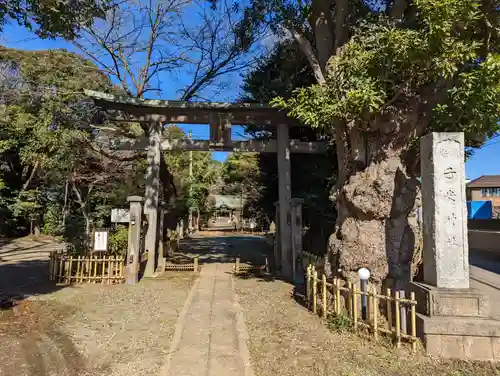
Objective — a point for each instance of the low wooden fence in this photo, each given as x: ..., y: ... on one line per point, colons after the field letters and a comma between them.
x: 193, y: 267
x: 325, y: 298
x: 239, y: 268
x: 68, y: 269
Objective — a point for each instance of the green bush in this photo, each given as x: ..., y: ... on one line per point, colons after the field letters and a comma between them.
x: 118, y: 241
x: 52, y: 222
x: 340, y: 323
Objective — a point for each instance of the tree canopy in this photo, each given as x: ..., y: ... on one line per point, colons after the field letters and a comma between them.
x: 49, y: 19
x: 388, y: 72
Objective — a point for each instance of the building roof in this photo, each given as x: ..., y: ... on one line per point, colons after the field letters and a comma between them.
x: 230, y: 202
x: 485, y: 181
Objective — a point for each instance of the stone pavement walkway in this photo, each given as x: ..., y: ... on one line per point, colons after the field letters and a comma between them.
x: 210, y: 336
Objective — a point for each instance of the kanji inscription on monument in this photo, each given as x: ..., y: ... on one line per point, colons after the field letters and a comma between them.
x: 446, y: 255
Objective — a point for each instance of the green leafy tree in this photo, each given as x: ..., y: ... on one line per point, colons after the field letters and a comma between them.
x: 52, y: 18
x: 48, y: 165
x: 387, y: 73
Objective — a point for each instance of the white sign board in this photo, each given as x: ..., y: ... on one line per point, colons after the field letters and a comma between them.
x: 120, y: 216
x: 100, y: 241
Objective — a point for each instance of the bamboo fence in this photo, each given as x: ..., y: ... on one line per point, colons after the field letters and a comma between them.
x: 193, y: 267
x: 243, y: 268
x: 325, y: 298
x: 68, y: 269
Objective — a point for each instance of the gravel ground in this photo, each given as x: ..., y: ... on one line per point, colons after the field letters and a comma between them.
x: 94, y: 329
x: 285, y: 339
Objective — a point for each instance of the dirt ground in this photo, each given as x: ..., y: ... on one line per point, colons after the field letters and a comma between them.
x: 285, y: 339
x: 93, y: 329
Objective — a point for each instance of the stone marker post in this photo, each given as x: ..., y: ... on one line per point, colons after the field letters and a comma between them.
x: 298, y: 270
x: 453, y: 320
x: 446, y: 251
x: 134, y: 239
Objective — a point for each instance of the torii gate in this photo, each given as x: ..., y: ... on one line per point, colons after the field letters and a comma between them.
x: 220, y: 117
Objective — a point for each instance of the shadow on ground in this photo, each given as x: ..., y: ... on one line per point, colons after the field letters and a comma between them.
x: 214, y: 247
x: 24, y: 269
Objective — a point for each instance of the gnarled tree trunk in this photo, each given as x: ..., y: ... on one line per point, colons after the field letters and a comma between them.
x: 378, y: 198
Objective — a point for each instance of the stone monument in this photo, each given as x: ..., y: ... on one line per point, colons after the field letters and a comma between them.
x: 453, y: 320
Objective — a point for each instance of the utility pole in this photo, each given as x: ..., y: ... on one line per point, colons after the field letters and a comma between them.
x: 190, y: 217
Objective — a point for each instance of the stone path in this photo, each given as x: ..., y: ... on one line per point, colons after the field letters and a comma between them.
x: 210, y: 336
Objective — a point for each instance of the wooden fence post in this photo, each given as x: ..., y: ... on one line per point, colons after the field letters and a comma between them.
x: 398, y: 319
x: 388, y: 302
x: 337, y: 297
x: 323, y: 293
x: 267, y: 266
x: 237, y: 266
x: 315, y: 288
x: 195, y: 262
x: 308, y: 284
x: 354, y: 306
x: 375, y: 313
x: 413, y: 322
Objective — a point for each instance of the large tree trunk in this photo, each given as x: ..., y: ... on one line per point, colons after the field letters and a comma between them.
x: 377, y: 199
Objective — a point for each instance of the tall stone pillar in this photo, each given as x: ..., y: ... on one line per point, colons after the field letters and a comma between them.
x: 453, y: 320
x: 297, y: 239
x: 151, y: 206
x: 285, y: 197
x: 134, y: 239
x: 446, y: 251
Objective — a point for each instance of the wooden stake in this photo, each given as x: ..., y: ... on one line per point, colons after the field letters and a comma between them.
x: 308, y: 284
x: 195, y: 264
x: 369, y: 304
x: 337, y: 297
x: 354, y: 306
x: 267, y: 266
x: 237, y: 267
x: 349, y: 298
x: 315, y: 290
x: 70, y: 268
x: 323, y: 293
x: 413, y: 322
x: 77, y: 277
x: 111, y: 270
x: 388, y: 302
x: 59, y: 272
x: 375, y: 313
x: 398, y: 319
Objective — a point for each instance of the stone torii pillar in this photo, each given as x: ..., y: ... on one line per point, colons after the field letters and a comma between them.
x: 151, y: 205
x: 285, y: 198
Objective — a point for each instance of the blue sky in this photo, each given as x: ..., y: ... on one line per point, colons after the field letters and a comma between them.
x: 485, y: 161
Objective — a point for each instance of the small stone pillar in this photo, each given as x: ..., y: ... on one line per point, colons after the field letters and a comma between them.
x: 134, y: 239
x: 298, y: 270
x: 453, y: 320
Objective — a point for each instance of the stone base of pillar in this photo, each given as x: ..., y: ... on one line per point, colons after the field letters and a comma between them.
x: 456, y: 324
x: 162, y: 263
x: 131, y: 274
